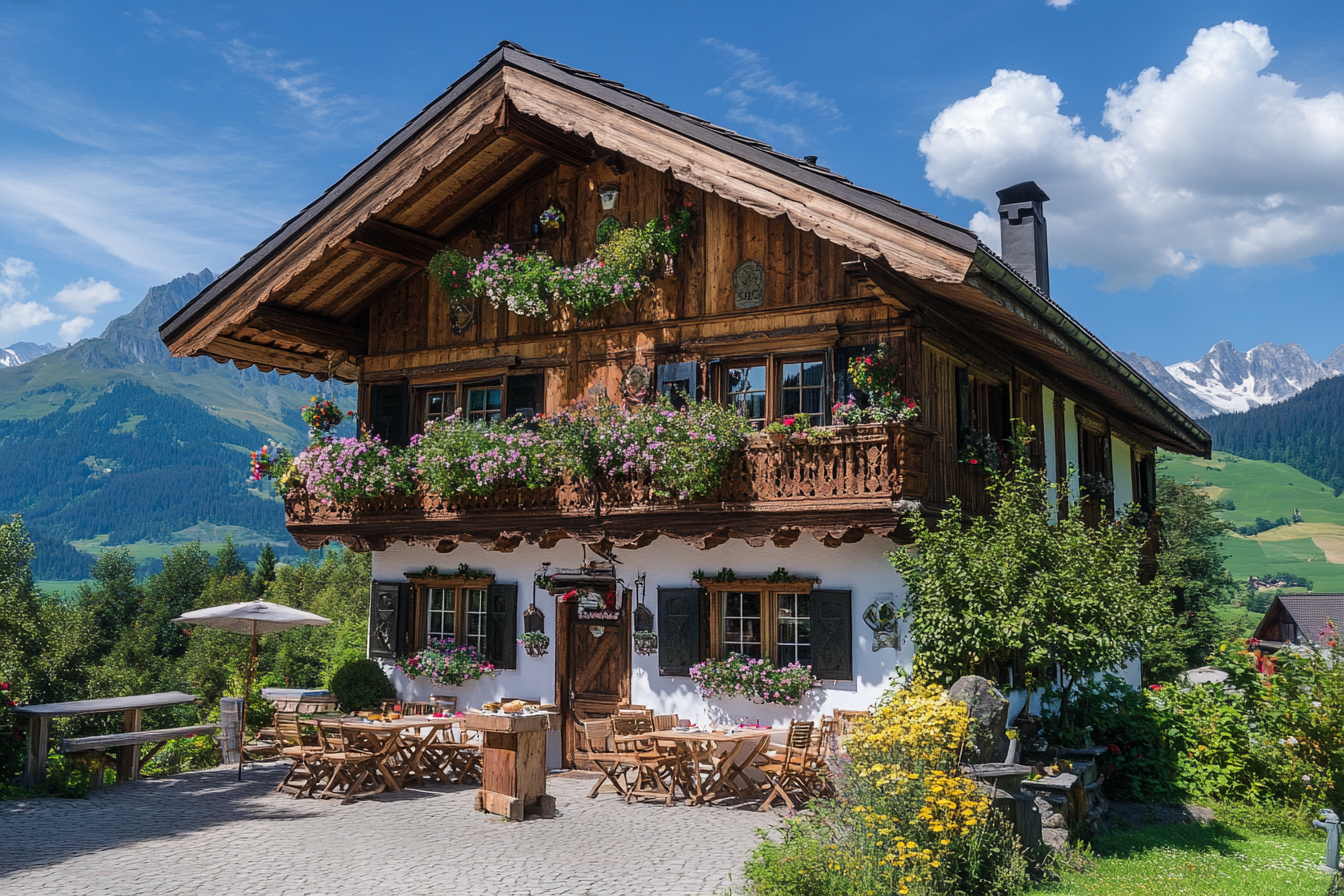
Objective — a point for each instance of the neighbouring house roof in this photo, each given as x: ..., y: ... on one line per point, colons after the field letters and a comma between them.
x: 591, y: 111
x: 1296, y: 618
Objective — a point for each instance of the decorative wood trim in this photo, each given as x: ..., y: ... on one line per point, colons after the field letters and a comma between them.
x: 248, y: 353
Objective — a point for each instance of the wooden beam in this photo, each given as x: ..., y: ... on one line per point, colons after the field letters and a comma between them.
x: 529, y: 130
x: 290, y: 362
x: 394, y: 242
x: 310, y: 330
x: 472, y: 191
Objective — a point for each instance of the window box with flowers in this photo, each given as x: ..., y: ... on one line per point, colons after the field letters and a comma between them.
x: 758, y: 680
x: 446, y: 662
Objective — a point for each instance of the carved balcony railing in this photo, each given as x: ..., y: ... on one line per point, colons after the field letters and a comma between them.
x: 861, y: 475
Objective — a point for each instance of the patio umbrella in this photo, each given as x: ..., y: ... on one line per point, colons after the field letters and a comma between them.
x: 255, y: 618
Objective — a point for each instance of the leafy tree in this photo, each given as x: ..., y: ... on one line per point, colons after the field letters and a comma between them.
x: 1192, y: 576
x: 112, y: 601
x: 20, y: 633
x: 1029, y: 580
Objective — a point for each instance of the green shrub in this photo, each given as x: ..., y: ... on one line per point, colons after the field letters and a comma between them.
x: 361, y: 684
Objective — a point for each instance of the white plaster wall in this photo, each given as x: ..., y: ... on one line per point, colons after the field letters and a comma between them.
x: 1048, y: 437
x: 1122, y: 474
x: 1071, y: 444
x: 860, y: 568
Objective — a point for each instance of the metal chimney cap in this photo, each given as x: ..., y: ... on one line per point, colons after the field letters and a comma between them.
x: 811, y: 160
x: 1027, y: 191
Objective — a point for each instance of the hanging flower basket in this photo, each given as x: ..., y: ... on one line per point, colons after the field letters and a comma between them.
x: 646, y: 643
x: 535, y: 643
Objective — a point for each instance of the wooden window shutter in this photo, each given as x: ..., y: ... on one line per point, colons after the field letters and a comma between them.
x: 501, y: 626
x: 679, y: 645
x: 389, y: 609
x: 390, y: 412
x: 680, y: 377
x: 832, y: 635
x: 526, y: 395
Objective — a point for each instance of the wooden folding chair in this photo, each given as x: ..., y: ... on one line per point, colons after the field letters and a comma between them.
x: 655, y: 766
x: 794, y: 773
x: 666, y: 723
x: 305, y: 752
x: 350, y: 768
x: 598, y: 749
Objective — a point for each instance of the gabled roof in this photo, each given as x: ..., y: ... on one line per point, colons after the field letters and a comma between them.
x: 268, y: 308
x: 1311, y: 613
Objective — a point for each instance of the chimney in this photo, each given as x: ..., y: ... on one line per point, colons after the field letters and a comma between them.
x: 1022, y: 223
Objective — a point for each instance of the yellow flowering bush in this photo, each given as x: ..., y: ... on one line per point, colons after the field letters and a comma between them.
x: 904, y: 820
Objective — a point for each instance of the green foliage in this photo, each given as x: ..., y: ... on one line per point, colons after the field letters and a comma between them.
x: 360, y: 684
x: 1016, y: 582
x: 1191, y: 573
x: 457, y: 457
x: 626, y: 261
x: 263, y: 574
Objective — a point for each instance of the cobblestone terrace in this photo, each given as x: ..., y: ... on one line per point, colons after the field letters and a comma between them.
x: 205, y: 833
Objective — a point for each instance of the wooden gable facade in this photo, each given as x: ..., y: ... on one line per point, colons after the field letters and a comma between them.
x: 790, y: 271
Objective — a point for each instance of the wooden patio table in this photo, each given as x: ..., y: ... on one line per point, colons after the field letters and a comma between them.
x: 39, y: 727
x: 729, y: 753
x: 397, y: 756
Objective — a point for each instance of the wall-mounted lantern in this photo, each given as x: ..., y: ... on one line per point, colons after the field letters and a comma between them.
x: 608, y: 194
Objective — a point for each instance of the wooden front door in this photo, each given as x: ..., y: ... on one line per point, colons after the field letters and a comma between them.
x: 592, y: 674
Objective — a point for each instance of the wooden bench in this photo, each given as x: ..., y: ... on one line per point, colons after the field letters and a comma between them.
x: 95, y: 750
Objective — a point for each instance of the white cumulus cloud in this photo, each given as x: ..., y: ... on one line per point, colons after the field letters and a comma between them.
x: 1058, y: 4
x: 74, y: 327
x: 87, y: 294
x: 1215, y: 163
x: 13, y: 273
x: 17, y: 315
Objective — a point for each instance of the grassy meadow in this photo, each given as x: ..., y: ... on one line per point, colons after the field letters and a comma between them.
x: 1313, y: 549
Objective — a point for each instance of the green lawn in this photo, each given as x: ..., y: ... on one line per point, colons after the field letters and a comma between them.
x: 1199, y: 860
x: 1245, y: 619
x: 1261, y: 489
x: 61, y: 587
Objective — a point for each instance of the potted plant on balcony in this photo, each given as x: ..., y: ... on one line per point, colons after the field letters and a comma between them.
x: 535, y: 643
x: 847, y: 414
x: 879, y: 376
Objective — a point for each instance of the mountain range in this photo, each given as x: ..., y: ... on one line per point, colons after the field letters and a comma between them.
x: 114, y: 441
x: 1226, y: 380
x: 23, y: 352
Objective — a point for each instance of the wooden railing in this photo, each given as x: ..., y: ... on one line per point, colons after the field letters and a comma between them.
x: 865, y: 468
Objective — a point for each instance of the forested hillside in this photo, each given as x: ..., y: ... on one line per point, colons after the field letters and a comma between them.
x: 1305, y: 432
x: 114, y: 439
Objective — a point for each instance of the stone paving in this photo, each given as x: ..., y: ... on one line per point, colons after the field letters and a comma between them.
x: 205, y: 833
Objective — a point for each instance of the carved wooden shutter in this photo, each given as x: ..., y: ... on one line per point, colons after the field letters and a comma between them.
x: 525, y: 395
x: 501, y: 626
x: 681, y: 377
x: 832, y: 635
x: 389, y: 605
x: 390, y: 412
x: 678, y: 630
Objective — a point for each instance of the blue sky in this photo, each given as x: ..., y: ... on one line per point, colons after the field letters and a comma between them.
x: 1203, y: 200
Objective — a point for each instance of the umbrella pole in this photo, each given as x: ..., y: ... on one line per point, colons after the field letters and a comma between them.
x: 247, y: 695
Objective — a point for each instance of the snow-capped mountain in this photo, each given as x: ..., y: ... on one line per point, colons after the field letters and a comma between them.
x: 23, y: 352
x: 1226, y: 380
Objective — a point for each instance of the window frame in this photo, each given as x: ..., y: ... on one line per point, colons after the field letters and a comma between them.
x: 800, y: 359
x: 460, y: 585
x: 768, y: 594
x: 460, y: 390
x: 774, y: 362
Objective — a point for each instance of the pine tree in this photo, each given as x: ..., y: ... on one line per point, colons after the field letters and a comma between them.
x: 227, y: 561
x: 263, y: 573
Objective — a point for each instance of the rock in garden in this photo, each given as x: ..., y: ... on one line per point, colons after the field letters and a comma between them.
x: 988, y: 708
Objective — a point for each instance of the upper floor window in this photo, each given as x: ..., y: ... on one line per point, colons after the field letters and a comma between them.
x: 746, y: 391
x: 440, y: 404
x: 483, y: 403
x: 801, y: 388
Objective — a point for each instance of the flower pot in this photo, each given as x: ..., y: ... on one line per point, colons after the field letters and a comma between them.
x: 646, y: 645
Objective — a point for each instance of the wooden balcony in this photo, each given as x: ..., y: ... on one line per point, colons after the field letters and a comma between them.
x: 838, y: 490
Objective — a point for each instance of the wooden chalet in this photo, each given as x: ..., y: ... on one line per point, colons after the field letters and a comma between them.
x: 791, y: 271
x: 1302, y: 619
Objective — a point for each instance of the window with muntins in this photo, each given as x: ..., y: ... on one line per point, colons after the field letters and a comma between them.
x: 742, y: 623
x: 746, y: 391
x: 801, y: 389
x: 474, y: 599
x: 440, y: 403
x: 793, y: 634
x: 483, y: 403
x: 442, y: 604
